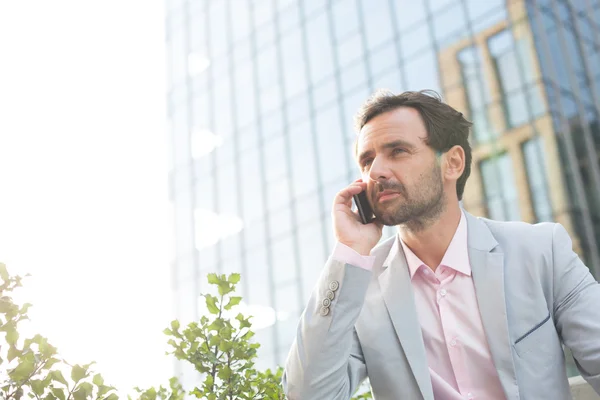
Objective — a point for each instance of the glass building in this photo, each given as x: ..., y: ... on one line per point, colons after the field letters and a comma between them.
x: 261, y: 98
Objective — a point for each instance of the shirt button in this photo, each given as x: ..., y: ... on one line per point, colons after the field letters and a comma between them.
x: 470, y: 396
x: 453, y: 342
x: 443, y: 292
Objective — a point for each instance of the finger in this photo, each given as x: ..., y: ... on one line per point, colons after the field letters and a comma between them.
x: 344, y: 196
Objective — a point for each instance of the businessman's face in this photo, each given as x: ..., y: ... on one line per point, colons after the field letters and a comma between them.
x: 404, y: 179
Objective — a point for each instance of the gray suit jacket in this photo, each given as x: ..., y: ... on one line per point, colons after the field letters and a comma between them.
x: 534, y: 295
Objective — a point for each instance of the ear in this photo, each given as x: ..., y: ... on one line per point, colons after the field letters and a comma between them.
x: 453, y: 163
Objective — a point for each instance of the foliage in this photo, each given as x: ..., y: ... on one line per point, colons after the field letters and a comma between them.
x: 219, y: 347
x: 173, y: 392
x: 31, y: 367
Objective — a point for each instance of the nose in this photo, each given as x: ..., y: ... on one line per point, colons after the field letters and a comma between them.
x: 379, y: 171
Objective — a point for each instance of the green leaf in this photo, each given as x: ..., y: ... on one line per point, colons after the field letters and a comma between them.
x: 12, y: 336
x: 87, y: 388
x: 23, y: 370
x: 79, y: 394
x: 213, y: 279
x: 78, y: 373
x: 37, y: 386
x: 234, y: 278
x: 244, y: 322
x: 224, y: 288
x: 224, y: 373
x: 58, y: 377
x: 225, y: 346
x: 175, y: 325
x: 112, y: 396
x: 13, y: 353
x: 212, y: 396
x: 248, y: 335
x: 211, y: 304
x: 216, y: 326
x: 98, y: 380
x: 46, y: 349
x: 50, y: 363
x: 4, y: 273
x: 233, y: 301
x: 214, y: 340
x: 6, y: 305
x: 25, y: 307
x: 150, y: 394
x: 102, y: 390
x: 59, y: 393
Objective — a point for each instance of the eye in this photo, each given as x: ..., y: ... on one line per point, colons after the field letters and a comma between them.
x: 398, y: 151
x: 366, y: 163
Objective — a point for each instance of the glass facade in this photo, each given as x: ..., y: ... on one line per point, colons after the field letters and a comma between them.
x: 261, y: 99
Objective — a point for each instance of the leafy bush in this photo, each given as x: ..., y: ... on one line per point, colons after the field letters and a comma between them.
x: 219, y: 347
x: 32, y: 367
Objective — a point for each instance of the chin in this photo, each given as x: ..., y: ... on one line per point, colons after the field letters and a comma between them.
x: 387, y: 219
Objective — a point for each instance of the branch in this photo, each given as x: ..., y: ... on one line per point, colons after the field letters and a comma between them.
x: 229, y: 380
x: 35, y: 371
x: 213, y: 373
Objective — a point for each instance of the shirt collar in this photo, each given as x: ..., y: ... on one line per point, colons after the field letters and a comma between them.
x: 456, y: 256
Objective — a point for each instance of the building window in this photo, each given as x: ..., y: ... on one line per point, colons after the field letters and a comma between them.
x: 477, y: 92
x: 500, y: 188
x: 513, y: 63
x: 538, y: 185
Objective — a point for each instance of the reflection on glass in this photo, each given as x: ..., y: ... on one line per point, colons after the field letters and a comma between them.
x: 197, y: 64
x: 477, y: 92
x: 377, y: 22
x: 212, y: 227
x: 535, y: 164
x: 500, y: 188
x: 204, y: 142
x: 346, y: 18
x: 515, y: 73
x: 320, y: 52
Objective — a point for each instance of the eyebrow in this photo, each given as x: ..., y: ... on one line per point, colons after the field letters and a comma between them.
x: 387, y: 146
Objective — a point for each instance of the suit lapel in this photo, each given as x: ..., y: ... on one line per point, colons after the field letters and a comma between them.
x: 487, y: 265
x: 397, y: 291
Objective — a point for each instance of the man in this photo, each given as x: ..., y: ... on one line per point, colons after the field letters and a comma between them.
x: 454, y: 306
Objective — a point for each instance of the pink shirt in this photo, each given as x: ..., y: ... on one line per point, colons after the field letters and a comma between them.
x: 459, y: 358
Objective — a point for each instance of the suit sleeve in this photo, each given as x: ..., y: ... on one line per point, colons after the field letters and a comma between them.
x: 326, y: 359
x: 576, y: 307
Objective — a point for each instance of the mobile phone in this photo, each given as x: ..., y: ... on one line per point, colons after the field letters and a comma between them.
x: 364, y: 208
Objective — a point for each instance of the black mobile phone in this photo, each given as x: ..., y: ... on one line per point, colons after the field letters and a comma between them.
x: 364, y: 208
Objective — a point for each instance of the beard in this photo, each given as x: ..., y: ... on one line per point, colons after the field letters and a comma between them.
x: 415, y: 209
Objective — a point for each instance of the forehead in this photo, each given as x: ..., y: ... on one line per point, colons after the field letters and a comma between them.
x: 404, y: 123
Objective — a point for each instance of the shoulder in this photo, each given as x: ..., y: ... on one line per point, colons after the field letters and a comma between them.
x: 520, y: 233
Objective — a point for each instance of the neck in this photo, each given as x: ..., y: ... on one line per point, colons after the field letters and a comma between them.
x: 430, y: 242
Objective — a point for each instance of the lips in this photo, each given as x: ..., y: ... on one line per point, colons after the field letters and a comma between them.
x: 387, y: 195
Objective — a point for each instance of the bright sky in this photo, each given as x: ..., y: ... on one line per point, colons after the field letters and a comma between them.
x: 83, y: 178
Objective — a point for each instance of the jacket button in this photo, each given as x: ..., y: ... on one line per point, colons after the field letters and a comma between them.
x: 330, y: 295
x: 326, y: 302
x: 333, y: 286
x: 324, y: 311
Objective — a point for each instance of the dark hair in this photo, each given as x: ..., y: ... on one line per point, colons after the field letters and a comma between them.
x: 446, y: 127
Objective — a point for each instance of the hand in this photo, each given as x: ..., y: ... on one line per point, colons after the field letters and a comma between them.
x: 347, y: 226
